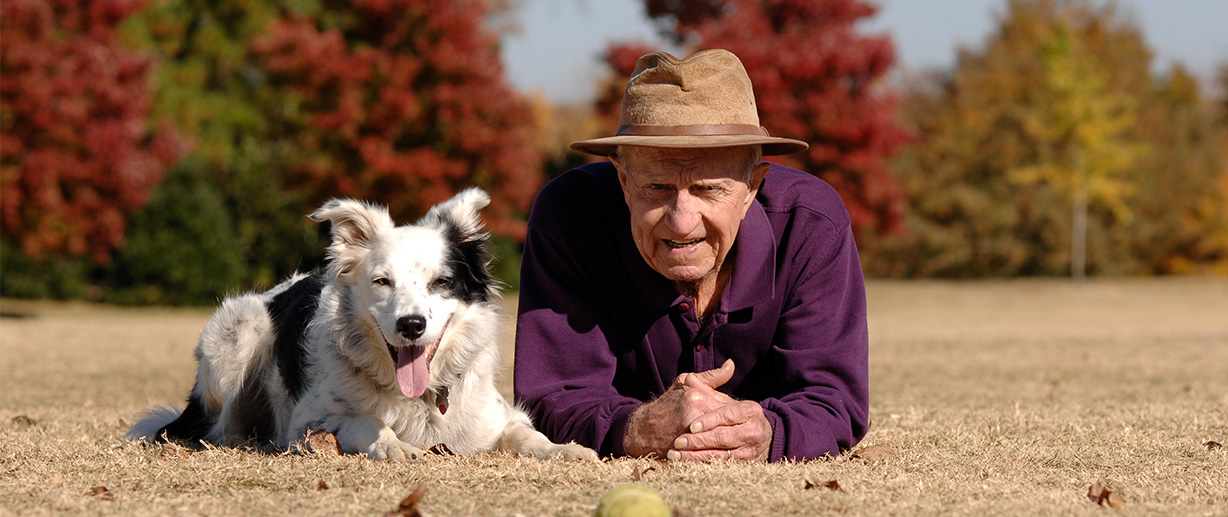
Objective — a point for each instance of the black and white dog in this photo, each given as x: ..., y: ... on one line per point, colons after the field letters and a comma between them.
x: 393, y: 348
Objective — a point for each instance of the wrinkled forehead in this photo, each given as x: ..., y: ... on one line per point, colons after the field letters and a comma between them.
x: 686, y: 165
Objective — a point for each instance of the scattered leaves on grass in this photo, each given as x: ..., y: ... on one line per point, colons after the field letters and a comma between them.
x: 24, y: 421
x: 1102, y: 496
x: 102, y: 493
x: 832, y: 485
x: 638, y: 474
x: 873, y: 453
x: 441, y: 449
x: 323, y: 443
x: 1213, y: 445
x: 409, y: 505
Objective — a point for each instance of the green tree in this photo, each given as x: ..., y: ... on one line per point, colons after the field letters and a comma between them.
x: 216, y: 90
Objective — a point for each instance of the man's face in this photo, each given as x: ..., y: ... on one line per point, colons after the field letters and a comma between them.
x: 686, y: 206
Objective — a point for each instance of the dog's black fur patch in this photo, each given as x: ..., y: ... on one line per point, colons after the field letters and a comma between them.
x: 290, y: 311
x: 191, y: 425
x: 467, y: 257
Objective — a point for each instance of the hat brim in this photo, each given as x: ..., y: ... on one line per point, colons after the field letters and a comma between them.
x: 772, y: 146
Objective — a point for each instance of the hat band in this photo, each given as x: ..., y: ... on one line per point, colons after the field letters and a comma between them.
x: 692, y: 130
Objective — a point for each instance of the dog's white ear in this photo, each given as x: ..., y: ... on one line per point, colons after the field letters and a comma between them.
x: 461, y: 211
x: 356, y: 225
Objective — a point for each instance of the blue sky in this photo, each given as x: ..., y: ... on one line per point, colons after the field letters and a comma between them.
x: 557, y: 48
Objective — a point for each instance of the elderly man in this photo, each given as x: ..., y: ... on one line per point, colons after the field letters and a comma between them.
x: 686, y: 299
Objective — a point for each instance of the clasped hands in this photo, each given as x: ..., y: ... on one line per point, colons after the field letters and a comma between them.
x: 692, y: 421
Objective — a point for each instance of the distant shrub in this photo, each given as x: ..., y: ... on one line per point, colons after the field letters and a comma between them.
x: 181, y: 247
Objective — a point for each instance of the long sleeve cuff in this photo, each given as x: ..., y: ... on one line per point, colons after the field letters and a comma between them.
x: 778, y: 434
x: 617, y: 434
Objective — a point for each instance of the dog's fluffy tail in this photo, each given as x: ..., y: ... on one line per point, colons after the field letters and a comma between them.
x: 147, y: 429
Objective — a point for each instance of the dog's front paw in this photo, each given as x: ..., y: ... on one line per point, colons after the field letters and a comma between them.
x: 394, y: 450
x: 573, y: 452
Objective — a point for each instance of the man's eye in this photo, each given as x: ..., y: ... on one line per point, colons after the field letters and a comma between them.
x: 382, y: 281
x: 656, y: 186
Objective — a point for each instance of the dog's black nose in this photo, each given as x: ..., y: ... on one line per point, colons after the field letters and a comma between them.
x: 411, y: 327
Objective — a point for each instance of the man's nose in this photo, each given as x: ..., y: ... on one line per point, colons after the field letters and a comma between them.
x: 682, y: 214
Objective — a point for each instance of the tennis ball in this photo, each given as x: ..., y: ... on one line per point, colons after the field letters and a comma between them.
x: 632, y: 499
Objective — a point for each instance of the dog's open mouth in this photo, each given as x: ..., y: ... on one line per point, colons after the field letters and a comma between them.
x: 413, y: 366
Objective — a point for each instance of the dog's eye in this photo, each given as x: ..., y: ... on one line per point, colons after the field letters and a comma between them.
x: 381, y: 281
x: 441, y: 282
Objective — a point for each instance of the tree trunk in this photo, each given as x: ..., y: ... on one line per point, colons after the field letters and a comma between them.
x: 1078, y: 237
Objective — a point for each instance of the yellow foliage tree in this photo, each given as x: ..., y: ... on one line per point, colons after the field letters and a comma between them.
x: 1082, y: 139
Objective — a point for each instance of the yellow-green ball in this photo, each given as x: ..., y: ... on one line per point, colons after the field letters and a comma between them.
x: 632, y: 499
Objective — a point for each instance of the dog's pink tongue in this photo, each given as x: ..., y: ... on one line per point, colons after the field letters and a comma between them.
x: 413, y: 372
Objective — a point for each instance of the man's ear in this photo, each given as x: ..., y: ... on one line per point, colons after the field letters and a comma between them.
x: 622, y: 177
x: 756, y: 181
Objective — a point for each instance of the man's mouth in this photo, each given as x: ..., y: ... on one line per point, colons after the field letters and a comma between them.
x: 682, y: 244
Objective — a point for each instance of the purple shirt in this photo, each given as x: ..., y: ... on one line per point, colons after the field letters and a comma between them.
x: 600, y: 332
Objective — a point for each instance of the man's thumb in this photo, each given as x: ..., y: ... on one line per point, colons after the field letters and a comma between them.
x: 718, y: 377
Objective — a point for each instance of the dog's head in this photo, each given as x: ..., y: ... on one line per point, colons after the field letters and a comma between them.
x: 411, y: 281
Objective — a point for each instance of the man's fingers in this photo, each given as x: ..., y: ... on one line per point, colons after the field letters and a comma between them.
x: 719, y: 438
x: 712, y: 378
x: 742, y: 453
x: 730, y: 414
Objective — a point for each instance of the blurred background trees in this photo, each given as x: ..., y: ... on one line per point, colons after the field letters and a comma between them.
x: 79, y: 151
x: 979, y: 205
x: 165, y: 151
x: 283, y: 105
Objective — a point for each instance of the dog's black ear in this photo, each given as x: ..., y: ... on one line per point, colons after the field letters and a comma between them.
x: 470, y: 256
x: 461, y: 212
x: 356, y: 225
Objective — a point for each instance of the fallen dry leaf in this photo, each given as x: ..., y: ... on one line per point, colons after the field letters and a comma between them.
x: 832, y: 485
x: 409, y: 505
x: 173, y: 450
x: 324, y: 443
x: 678, y: 511
x: 1102, y: 496
x: 441, y: 449
x: 1212, y: 445
x: 321, y: 485
x: 101, y: 492
x: 24, y: 421
x: 637, y: 474
x: 873, y: 453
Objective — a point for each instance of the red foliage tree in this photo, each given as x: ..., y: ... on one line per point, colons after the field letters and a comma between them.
x: 815, y: 79
x: 77, y: 155
x: 404, y: 102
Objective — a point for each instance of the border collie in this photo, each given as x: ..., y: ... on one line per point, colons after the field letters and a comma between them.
x: 392, y: 347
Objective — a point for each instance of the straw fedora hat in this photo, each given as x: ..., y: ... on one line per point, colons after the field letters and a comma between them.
x: 703, y: 101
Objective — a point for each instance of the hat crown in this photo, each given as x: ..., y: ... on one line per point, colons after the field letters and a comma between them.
x: 703, y: 101
x: 708, y: 88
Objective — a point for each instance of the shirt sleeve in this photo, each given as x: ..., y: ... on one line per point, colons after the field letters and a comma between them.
x: 564, y: 366
x: 820, y: 404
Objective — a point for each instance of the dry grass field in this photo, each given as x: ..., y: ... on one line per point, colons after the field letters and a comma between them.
x: 1008, y: 397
